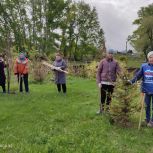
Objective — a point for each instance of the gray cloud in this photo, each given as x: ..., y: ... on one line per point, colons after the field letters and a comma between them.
x: 116, y: 18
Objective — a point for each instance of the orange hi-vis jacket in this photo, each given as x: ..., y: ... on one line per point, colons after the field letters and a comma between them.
x: 21, y: 67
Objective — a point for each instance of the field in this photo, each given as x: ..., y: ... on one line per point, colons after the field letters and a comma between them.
x: 45, y: 121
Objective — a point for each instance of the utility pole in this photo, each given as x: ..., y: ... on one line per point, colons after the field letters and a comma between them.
x: 126, y: 45
x: 127, y: 40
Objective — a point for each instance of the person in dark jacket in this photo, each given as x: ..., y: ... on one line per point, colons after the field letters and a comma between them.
x: 106, y: 77
x: 60, y: 77
x: 146, y: 74
x: 2, y: 74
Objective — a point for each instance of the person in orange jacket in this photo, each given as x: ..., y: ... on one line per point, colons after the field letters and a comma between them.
x: 21, y: 70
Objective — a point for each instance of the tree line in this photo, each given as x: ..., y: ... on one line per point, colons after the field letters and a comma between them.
x: 142, y: 38
x: 49, y: 25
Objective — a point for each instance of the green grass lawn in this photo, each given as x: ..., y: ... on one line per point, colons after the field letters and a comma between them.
x: 47, y: 122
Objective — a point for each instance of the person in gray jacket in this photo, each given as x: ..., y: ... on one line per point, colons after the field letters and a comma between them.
x: 60, y: 77
x: 106, y: 77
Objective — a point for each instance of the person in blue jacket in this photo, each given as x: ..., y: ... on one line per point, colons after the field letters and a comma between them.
x: 146, y: 74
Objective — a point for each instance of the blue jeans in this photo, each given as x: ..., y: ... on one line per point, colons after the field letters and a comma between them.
x: 148, y: 102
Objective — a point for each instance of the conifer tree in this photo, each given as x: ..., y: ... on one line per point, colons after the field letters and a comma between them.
x: 123, y: 105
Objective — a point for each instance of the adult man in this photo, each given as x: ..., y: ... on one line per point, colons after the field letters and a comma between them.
x: 106, y: 77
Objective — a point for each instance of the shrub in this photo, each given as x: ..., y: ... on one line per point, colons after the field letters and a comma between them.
x: 39, y: 71
x: 84, y: 70
x: 91, y: 69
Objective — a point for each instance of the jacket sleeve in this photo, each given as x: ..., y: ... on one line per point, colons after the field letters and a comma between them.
x: 26, y: 68
x: 64, y: 65
x: 138, y: 76
x: 100, y: 67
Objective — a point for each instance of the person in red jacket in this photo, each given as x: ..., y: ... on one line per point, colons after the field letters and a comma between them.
x: 21, y: 70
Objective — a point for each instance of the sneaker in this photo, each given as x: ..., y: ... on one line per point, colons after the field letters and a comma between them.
x: 64, y: 93
x: 99, y: 112
x: 150, y: 124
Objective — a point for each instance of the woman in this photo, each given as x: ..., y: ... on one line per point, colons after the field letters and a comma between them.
x: 60, y: 77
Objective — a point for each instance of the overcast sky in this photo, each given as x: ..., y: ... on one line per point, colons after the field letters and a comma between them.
x: 116, y: 17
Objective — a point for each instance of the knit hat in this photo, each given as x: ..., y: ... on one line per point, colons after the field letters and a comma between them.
x: 110, y: 51
x: 22, y: 57
x: 149, y: 54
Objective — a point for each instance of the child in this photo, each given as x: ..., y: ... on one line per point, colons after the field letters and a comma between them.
x: 146, y: 73
x: 60, y: 77
x: 2, y: 74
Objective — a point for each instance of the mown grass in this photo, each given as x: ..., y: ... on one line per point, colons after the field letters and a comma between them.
x: 47, y: 122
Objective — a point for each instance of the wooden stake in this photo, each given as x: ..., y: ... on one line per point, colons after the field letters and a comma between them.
x: 142, y: 107
x: 54, y: 67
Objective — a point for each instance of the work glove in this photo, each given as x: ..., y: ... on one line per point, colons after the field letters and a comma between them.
x: 58, y: 68
x: 128, y: 82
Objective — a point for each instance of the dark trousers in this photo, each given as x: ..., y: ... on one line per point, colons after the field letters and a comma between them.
x: 4, y: 89
x: 23, y: 78
x: 148, y: 104
x: 63, y: 87
x: 106, y: 94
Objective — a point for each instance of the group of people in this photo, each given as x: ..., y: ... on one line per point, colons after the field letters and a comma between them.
x: 106, y: 76
x: 107, y: 73
x: 21, y: 70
